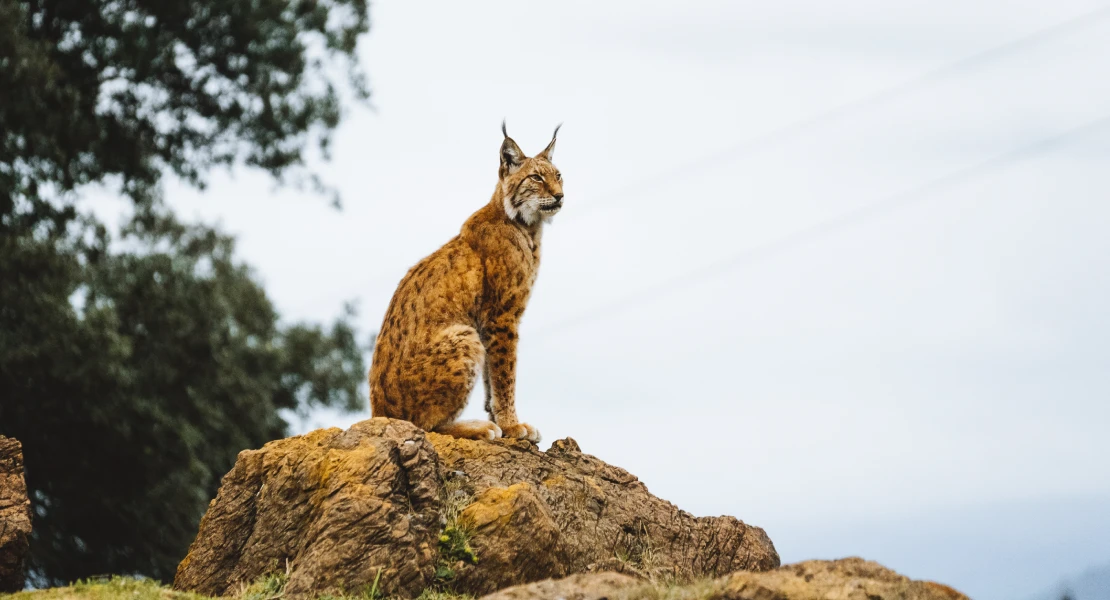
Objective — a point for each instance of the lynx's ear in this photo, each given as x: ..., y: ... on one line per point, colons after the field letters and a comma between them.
x: 549, y: 152
x: 511, y: 155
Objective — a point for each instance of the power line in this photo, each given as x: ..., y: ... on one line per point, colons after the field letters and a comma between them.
x: 777, y: 135
x: 802, y: 236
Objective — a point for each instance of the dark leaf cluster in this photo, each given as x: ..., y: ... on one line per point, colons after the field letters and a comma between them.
x: 134, y: 378
x: 127, y: 89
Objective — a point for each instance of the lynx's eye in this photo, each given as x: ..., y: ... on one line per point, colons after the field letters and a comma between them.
x: 559, y: 176
x: 536, y: 177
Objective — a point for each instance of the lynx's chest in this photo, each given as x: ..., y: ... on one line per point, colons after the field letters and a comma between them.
x: 512, y: 264
x: 527, y: 251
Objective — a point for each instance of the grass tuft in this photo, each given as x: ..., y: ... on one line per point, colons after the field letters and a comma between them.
x: 454, y: 540
x: 454, y: 545
x: 108, y: 588
x: 267, y: 587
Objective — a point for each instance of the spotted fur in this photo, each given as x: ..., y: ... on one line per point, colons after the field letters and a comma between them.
x: 456, y: 313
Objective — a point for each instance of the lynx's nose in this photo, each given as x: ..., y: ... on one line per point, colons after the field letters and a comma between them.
x: 559, y: 197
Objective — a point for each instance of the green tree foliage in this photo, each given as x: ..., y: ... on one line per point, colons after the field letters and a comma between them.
x: 130, y: 88
x: 135, y: 366
x: 134, y: 378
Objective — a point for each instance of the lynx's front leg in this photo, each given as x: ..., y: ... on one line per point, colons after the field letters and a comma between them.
x: 500, y: 375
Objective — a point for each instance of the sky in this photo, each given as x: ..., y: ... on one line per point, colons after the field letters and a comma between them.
x: 826, y: 267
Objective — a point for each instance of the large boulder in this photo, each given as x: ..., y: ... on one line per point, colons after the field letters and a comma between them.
x: 386, y: 503
x: 845, y: 579
x: 15, y: 516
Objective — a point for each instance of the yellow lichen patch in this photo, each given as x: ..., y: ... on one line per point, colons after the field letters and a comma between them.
x: 438, y: 439
x: 493, y: 506
x: 338, y: 468
x: 446, y: 445
x: 555, y: 481
x: 590, y: 481
x: 347, y: 465
x: 317, y: 437
x: 325, y: 468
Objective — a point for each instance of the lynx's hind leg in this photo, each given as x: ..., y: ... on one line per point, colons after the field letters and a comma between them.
x: 475, y: 430
x: 442, y: 377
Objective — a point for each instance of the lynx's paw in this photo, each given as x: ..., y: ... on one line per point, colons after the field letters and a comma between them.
x: 475, y: 430
x: 523, y: 431
x: 487, y: 430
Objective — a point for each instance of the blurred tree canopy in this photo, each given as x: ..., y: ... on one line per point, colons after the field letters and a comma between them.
x: 130, y: 88
x: 133, y: 380
x: 135, y: 366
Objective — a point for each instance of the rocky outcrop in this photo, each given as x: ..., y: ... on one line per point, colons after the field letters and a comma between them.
x: 384, y: 501
x: 15, y: 516
x: 846, y: 579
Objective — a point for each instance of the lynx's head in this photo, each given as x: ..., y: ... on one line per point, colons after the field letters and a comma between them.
x: 531, y: 188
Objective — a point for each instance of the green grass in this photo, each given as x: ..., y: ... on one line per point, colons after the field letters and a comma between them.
x: 269, y: 587
x: 454, y: 540
x: 272, y: 587
x: 114, y: 588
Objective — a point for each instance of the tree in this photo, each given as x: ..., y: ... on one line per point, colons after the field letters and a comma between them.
x: 133, y: 380
x: 135, y: 366
x: 130, y: 88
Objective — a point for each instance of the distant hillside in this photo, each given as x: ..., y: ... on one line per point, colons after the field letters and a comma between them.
x: 1092, y: 584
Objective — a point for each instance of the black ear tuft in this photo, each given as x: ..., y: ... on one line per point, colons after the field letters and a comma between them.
x: 506, y: 133
x: 549, y: 152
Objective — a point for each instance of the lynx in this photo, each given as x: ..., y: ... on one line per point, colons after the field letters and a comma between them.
x: 457, y: 311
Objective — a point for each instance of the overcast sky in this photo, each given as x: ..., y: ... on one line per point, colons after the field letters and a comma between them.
x: 926, y: 384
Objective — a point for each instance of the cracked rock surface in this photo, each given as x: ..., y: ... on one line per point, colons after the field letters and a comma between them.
x: 845, y: 579
x: 15, y: 516
x: 341, y: 509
